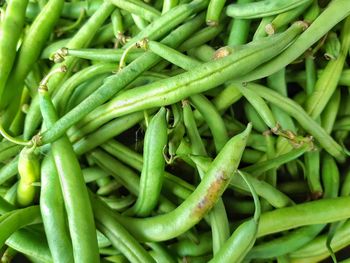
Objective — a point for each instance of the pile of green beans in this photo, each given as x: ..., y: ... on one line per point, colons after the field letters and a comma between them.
x: 174, y: 131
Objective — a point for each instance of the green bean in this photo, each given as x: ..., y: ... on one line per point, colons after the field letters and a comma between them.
x: 172, y: 55
x: 240, y: 29
x: 316, y: 250
x: 277, y: 82
x: 197, y: 145
x: 259, y: 105
x: 84, y: 90
x: 286, y: 244
x: 283, y: 19
x: 119, y: 171
x: 203, y: 53
x: 108, y: 188
x: 93, y: 173
x: 29, y: 52
x: 29, y: 172
x: 243, y: 238
x: 303, y: 235
x: 263, y: 189
x: 5, y: 206
x: 80, y: 221
x: 16, y: 219
x: 81, y: 39
x: 168, y: 21
x: 119, y: 204
x: 104, y: 55
x: 213, y: 119
x: 214, y: 12
x: 300, y: 115
x: 128, y: 74
x: 11, y: 29
x: 118, y: 24
x: 30, y: 243
x: 253, y: 117
x: 312, y: 172
x: 327, y: 83
x: 161, y: 253
x: 201, y: 37
x: 322, y: 24
x: 153, y: 167
x: 345, y: 188
x: 54, y: 214
x: 309, y: 213
x: 332, y: 46
x: 228, y: 96
x: 172, y: 183
x: 169, y: 4
x: 70, y: 10
x: 139, y: 8
x: 118, y: 235
x: 66, y: 90
x: 139, y: 21
x: 330, y: 112
x: 218, y: 218
x: 262, y: 8
x: 106, y: 132
x: 211, y: 116
x: 251, y: 156
x: 11, y: 194
x: 261, y: 30
x: 186, y: 247
x: 202, y: 78
x: 10, y: 152
x: 192, y: 210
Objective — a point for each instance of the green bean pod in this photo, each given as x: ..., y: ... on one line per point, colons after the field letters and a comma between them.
x: 243, y: 238
x: 29, y: 172
x: 333, y: 14
x: 118, y: 235
x: 139, y: 8
x: 153, y: 167
x: 11, y: 30
x: 128, y: 74
x: 328, y: 81
x: 80, y: 221
x: 200, y: 79
x: 300, y: 115
x: 262, y: 8
x: 80, y: 40
x: 54, y: 214
x: 240, y: 29
x: 201, y: 201
x: 332, y: 46
x: 29, y: 52
x: 214, y: 12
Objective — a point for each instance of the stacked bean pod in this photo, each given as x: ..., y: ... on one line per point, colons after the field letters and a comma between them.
x: 174, y: 130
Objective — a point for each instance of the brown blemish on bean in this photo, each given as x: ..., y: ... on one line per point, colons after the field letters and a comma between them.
x: 214, y: 192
